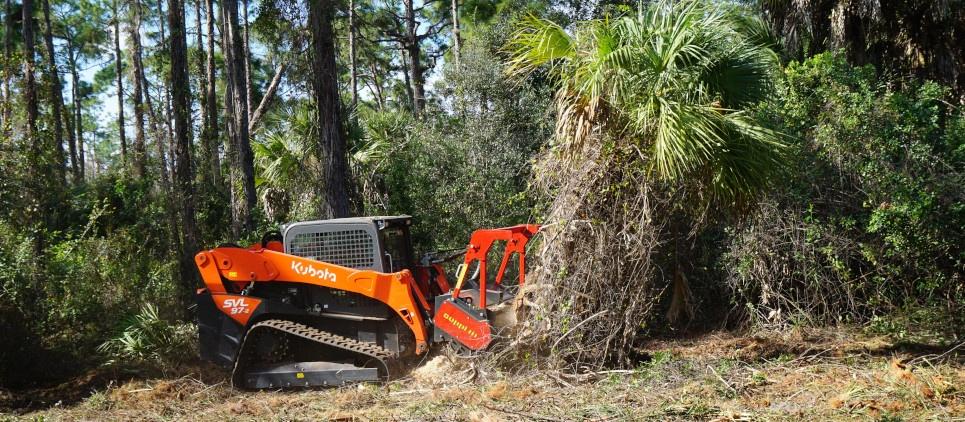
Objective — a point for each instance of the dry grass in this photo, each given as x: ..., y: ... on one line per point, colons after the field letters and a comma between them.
x: 817, y: 375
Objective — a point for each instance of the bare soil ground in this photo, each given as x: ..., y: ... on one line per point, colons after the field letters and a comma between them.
x: 803, y: 375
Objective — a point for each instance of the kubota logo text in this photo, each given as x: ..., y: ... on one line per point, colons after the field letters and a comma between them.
x: 237, y: 306
x: 309, y: 270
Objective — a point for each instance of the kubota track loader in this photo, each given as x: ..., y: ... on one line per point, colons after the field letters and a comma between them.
x: 324, y: 303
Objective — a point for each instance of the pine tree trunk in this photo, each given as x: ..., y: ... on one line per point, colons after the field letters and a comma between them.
x: 410, y: 100
x: 166, y: 100
x: 333, y: 154
x: 414, y: 52
x: 205, y: 170
x: 353, y: 60
x: 119, y: 65
x: 79, y: 124
x: 140, y: 151
x: 231, y: 145
x: 211, y: 122
x: 4, y: 92
x: 71, y: 139
x: 456, y: 40
x: 75, y: 129
x: 56, y: 98
x: 35, y: 190
x: 239, y: 106
x: 7, y: 68
x: 247, y: 55
x: 181, y: 100
x: 29, y: 84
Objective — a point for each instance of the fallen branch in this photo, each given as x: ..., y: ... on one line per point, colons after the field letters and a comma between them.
x: 557, y: 342
x: 726, y: 384
x: 266, y: 99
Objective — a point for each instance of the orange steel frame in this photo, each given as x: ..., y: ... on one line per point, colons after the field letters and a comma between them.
x: 256, y: 264
x: 482, y: 241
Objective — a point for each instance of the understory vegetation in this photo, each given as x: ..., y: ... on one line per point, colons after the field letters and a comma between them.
x: 695, y: 165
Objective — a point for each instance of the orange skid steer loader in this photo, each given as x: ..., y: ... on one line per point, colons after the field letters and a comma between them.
x: 325, y: 303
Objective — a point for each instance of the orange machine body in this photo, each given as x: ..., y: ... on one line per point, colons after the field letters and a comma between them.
x: 237, y: 268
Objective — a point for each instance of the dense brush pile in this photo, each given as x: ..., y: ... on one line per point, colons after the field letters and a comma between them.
x: 602, y: 259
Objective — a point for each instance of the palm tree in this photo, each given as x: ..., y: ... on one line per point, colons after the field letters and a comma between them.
x: 675, y: 81
x: 285, y: 166
x: 653, y: 125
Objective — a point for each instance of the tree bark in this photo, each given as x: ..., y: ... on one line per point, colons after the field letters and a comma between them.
x: 205, y: 170
x: 119, y: 65
x: 166, y: 100
x: 29, y: 84
x: 410, y: 100
x: 267, y: 98
x: 68, y: 113
x: 75, y: 129
x: 181, y: 100
x: 456, y: 40
x: 352, y: 54
x: 231, y: 145
x: 56, y: 97
x: 7, y: 67
x: 239, y: 112
x: 336, y: 179
x: 211, y: 122
x: 140, y: 151
x: 35, y: 189
x: 78, y: 119
x: 247, y: 55
x: 414, y: 56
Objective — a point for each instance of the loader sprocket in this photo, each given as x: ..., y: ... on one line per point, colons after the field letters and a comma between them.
x: 247, y: 354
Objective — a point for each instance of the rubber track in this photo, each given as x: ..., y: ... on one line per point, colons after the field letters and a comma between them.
x: 309, y: 333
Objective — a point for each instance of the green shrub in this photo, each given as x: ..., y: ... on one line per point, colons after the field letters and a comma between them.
x: 872, y: 218
x: 60, y: 304
x: 147, y: 339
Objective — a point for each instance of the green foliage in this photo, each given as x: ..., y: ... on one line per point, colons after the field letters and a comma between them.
x: 466, y: 165
x: 146, y: 338
x: 111, y: 259
x: 877, y: 197
x: 672, y: 81
x: 286, y: 164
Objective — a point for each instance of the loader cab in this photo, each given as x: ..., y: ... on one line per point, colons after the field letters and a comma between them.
x: 381, y: 243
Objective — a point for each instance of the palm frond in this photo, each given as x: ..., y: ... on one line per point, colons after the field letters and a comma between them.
x: 673, y: 79
x: 537, y: 42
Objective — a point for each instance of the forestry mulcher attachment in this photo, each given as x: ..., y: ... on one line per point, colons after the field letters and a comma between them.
x: 325, y: 303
